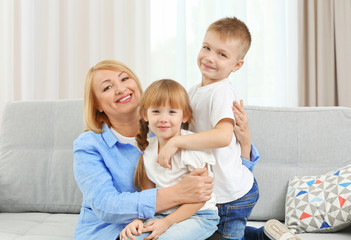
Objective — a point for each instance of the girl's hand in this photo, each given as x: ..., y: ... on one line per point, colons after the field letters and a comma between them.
x: 166, y: 153
x: 134, y: 228
x: 156, y: 227
x: 241, y: 129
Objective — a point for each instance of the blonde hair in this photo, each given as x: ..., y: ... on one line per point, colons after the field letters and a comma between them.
x: 157, y: 94
x: 93, y: 118
x: 231, y: 27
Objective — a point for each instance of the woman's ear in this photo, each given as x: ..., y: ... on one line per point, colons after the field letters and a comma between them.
x: 99, y: 108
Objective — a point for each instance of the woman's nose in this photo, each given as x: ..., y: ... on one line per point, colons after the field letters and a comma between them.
x: 120, y: 90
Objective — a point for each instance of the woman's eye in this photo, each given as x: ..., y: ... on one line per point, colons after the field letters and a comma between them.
x: 124, y: 77
x: 106, y: 88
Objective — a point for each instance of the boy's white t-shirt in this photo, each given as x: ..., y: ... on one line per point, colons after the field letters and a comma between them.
x: 183, y: 162
x: 212, y: 103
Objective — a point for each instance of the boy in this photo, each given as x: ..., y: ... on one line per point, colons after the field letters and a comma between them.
x: 224, y: 47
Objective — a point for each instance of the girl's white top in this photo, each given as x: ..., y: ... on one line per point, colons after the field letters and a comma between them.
x: 183, y: 162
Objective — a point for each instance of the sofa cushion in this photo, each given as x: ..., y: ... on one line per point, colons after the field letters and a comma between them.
x: 319, y: 203
x: 36, y: 156
x: 37, y: 226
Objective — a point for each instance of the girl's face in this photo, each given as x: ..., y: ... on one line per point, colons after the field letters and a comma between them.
x: 164, y: 121
x: 117, y: 94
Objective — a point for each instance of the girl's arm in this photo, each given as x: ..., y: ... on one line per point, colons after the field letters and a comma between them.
x: 159, y: 226
x: 220, y: 136
x: 164, y: 198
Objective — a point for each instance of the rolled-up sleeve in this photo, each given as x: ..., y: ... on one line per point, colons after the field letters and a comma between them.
x: 147, y: 203
x: 254, y: 157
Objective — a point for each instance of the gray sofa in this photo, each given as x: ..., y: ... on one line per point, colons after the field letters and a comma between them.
x: 39, y: 198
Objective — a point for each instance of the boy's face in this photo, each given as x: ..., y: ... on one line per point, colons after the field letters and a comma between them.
x: 218, y: 58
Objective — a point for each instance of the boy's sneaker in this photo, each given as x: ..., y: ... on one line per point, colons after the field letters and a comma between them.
x: 276, y: 230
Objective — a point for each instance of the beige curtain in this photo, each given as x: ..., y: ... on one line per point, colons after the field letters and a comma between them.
x: 324, y: 57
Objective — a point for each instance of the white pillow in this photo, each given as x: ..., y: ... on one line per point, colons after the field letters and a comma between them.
x: 319, y: 203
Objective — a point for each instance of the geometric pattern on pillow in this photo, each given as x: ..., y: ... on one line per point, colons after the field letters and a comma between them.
x: 319, y: 203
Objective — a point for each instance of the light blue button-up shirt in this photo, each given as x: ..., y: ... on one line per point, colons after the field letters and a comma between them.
x: 254, y: 157
x: 104, y: 170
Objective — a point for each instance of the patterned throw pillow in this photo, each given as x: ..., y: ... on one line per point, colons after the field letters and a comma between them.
x: 319, y: 203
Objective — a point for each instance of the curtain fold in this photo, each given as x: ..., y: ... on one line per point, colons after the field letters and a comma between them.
x: 47, y: 47
x: 324, y: 53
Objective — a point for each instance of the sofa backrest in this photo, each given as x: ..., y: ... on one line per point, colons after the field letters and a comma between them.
x: 304, y: 141
x: 36, y: 156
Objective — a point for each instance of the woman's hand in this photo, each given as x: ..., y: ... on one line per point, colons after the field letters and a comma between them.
x: 134, y: 228
x: 196, y: 188
x: 241, y: 129
x: 156, y: 227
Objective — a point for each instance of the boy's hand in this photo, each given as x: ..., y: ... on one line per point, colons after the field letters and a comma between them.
x: 241, y: 129
x: 166, y: 153
x: 134, y: 228
x: 156, y: 227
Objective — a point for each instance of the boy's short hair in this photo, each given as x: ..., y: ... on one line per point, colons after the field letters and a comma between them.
x: 231, y: 27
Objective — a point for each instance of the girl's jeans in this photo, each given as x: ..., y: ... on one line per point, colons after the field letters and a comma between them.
x: 198, y: 227
x: 234, y: 215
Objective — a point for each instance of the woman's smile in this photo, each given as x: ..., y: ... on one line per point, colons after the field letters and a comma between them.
x: 125, y: 99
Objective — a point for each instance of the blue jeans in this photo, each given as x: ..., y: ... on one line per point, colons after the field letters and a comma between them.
x: 234, y: 215
x: 198, y: 227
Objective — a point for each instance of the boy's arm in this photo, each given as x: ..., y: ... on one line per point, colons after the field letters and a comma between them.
x: 220, y: 136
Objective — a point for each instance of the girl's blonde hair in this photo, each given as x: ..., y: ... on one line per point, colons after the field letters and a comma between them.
x: 159, y: 93
x: 93, y: 118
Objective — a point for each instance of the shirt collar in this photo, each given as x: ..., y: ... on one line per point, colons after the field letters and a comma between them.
x: 108, y: 136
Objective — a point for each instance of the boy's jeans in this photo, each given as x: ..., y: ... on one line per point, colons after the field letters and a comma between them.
x: 234, y: 215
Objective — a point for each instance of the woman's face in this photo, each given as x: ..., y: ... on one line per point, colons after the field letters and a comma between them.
x: 117, y: 94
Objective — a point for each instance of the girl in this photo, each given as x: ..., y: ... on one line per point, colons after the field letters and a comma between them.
x: 165, y: 109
